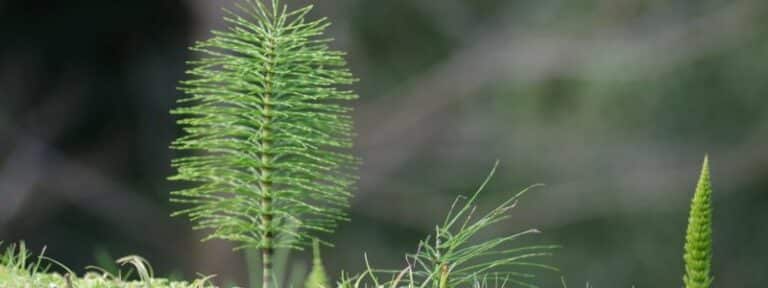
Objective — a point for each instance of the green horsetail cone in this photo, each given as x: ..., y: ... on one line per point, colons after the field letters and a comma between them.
x: 698, y: 238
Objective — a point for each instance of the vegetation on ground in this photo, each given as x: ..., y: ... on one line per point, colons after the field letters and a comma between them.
x: 19, y: 268
x: 268, y: 133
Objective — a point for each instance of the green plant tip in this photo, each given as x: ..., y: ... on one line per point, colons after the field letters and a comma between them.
x: 698, y: 238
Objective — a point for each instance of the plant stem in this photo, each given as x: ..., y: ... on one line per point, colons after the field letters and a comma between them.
x: 444, y: 276
x: 266, y: 255
x: 265, y: 183
x: 266, y: 217
x: 266, y: 205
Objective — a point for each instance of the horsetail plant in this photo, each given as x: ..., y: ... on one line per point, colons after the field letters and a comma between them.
x: 451, y: 256
x: 269, y: 131
x: 698, y: 238
x: 451, y: 259
x: 317, y: 278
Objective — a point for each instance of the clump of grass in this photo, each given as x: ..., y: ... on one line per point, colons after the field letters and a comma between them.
x: 451, y: 257
x: 19, y: 268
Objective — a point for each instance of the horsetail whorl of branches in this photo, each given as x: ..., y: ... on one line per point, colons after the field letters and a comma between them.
x: 698, y: 238
x: 270, y: 131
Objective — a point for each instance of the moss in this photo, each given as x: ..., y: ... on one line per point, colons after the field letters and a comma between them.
x: 11, y: 277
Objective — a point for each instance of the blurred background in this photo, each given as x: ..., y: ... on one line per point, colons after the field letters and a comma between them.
x: 610, y: 103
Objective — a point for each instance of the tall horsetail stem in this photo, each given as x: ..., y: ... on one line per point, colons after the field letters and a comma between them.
x: 698, y: 238
x: 268, y: 130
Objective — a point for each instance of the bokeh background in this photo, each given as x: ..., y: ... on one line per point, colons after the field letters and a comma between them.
x: 611, y: 103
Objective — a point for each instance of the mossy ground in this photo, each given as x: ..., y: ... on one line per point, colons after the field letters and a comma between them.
x: 20, y: 269
x: 15, y: 278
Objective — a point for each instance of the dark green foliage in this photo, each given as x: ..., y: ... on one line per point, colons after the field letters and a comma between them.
x: 698, y: 238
